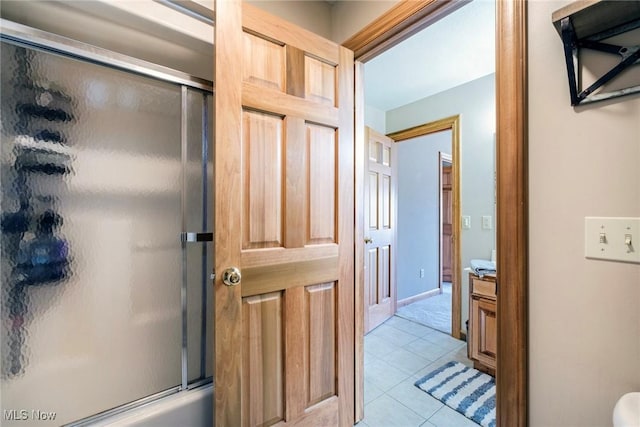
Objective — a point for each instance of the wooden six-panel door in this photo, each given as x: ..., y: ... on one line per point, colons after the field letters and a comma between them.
x: 285, y: 218
x: 379, y: 230
x: 447, y: 223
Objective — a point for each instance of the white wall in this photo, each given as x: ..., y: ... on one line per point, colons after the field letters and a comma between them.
x: 475, y: 103
x: 349, y: 17
x: 418, y: 227
x: 376, y: 119
x: 337, y: 21
x: 584, y: 315
x: 312, y: 15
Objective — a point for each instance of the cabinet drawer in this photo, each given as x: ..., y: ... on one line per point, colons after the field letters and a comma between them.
x: 483, y: 287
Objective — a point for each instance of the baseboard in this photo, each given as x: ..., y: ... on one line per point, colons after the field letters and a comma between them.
x: 431, y: 293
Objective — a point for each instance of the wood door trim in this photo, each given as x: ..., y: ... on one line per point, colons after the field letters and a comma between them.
x: 427, y: 128
x: 400, y: 22
x: 512, y: 206
x: 511, y: 146
x: 448, y: 123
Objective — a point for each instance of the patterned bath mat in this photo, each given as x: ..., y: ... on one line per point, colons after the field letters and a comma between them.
x: 467, y: 390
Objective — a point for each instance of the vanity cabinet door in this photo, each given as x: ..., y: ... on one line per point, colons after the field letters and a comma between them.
x: 483, y: 343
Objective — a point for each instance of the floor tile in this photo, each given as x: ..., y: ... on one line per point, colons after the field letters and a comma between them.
x: 426, y: 349
x: 406, y: 360
x: 426, y: 424
x: 460, y: 355
x: 388, y: 412
x: 452, y: 356
x: 392, y: 335
x: 368, y: 358
x: 431, y: 367
x: 377, y: 346
x: 447, y: 417
x: 415, y: 399
x: 383, y: 375
x: 408, y: 326
x: 445, y: 341
x: 371, y: 391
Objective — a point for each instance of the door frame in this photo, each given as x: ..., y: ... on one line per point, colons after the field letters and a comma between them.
x: 453, y: 124
x: 398, y: 23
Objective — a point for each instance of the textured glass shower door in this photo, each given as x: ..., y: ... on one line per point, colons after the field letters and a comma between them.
x: 99, y: 168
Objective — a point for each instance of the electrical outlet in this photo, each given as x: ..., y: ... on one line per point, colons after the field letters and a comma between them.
x: 613, y: 239
x: 421, y: 272
x: 466, y: 222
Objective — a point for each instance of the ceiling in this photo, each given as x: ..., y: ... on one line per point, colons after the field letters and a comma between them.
x: 455, y: 50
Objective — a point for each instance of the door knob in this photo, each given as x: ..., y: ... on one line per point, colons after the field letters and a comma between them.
x: 231, y: 276
x: 368, y: 240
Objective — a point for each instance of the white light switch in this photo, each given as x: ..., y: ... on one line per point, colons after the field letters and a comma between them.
x: 466, y: 222
x: 487, y: 224
x: 614, y: 239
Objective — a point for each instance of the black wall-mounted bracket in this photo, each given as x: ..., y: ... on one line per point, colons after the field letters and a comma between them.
x: 582, y: 25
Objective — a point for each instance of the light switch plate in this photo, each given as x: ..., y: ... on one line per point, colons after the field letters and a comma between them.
x: 466, y: 222
x: 487, y: 224
x: 607, y: 238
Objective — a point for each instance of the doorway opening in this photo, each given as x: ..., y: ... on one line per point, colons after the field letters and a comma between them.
x: 511, y: 199
x: 431, y: 138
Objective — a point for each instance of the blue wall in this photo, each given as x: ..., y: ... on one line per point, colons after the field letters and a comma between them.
x: 418, y: 212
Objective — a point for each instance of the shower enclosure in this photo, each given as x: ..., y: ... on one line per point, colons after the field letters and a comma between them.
x: 106, y: 249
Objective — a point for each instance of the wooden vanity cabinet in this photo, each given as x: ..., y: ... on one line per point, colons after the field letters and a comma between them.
x: 482, y: 341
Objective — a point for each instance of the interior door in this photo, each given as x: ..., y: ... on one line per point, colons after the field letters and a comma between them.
x: 447, y: 222
x: 284, y: 339
x: 379, y: 226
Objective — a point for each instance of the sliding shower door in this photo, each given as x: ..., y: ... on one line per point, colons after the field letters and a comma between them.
x: 198, y: 239
x: 104, y: 179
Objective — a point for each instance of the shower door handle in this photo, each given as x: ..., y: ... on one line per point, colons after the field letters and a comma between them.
x: 196, y: 237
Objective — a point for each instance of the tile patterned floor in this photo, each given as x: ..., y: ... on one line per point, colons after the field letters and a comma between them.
x: 397, y: 354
